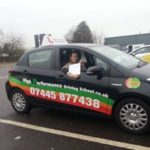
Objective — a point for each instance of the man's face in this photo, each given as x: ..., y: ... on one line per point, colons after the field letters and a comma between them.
x: 74, y: 58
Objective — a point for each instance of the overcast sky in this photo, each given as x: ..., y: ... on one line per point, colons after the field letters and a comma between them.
x: 112, y: 17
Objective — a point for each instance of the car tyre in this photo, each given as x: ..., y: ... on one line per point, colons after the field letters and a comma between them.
x: 133, y: 115
x: 19, y: 102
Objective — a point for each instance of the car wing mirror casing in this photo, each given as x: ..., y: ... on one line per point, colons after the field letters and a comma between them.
x: 94, y: 70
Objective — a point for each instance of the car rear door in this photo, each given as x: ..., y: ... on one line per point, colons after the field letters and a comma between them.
x: 41, y: 74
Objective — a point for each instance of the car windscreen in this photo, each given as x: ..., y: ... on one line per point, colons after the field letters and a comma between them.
x: 117, y: 56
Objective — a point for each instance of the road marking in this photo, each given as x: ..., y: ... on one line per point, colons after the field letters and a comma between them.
x: 75, y: 135
x: 3, y: 77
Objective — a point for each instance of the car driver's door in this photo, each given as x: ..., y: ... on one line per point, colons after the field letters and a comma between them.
x: 91, y: 90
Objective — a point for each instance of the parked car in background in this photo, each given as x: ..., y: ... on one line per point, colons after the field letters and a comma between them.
x: 131, y: 48
x: 143, y: 53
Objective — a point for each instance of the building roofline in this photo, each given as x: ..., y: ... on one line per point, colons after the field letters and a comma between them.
x: 128, y: 35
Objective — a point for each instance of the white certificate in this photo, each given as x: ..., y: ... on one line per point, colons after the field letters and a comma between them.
x: 75, y: 69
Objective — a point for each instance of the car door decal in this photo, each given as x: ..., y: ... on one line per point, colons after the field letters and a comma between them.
x: 78, y: 97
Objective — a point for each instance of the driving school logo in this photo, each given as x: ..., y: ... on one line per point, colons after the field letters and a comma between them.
x: 76, y: 96
x: 133, y: 83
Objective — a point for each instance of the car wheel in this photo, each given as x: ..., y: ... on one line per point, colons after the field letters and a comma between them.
x: 133, y: 115
x: 20, y: 102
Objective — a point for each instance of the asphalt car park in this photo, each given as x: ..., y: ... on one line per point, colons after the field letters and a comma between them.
x: 93, y: 132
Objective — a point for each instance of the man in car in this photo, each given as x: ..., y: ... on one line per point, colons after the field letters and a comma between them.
x: 74, y: 58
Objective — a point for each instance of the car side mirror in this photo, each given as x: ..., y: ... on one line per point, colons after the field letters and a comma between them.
x: 94, y: 70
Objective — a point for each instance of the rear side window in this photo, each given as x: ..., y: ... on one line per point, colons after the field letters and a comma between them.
x: 40, y: 59
x: 23, y: 61
x: 142, y: 50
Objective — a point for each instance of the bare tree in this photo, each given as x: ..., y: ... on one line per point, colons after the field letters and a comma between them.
x: 12, y: 48
x: 98, y: 38
x: 82, y: 34
x: 69, y: 35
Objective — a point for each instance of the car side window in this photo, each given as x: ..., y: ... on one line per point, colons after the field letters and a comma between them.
x: 142, y: 50
x: 101, y: 63
x: 148, y: 49
x: 65, y: 56
x: 40, y: 59
x: 95, y: 61
x: 23, y: 61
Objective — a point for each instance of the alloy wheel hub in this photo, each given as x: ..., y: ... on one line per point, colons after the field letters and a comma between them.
x: 133, y: 116
x: 18, y: 101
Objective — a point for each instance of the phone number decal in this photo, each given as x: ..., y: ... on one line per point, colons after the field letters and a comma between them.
x: 66, y: 98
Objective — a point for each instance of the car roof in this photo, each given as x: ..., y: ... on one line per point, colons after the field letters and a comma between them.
x: 85, y: 45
